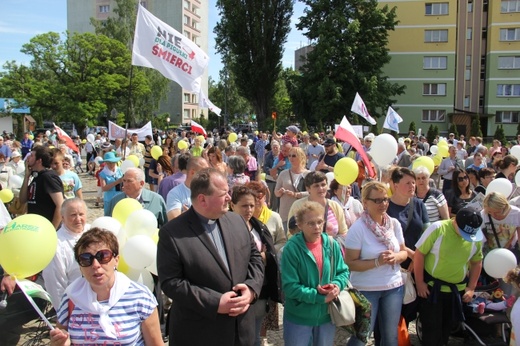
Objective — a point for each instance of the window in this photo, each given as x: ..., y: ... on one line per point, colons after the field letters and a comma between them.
x: 436, y: 9
x: 433, y: 115
x: 507, y: 117
x: 510, y: 6
x: 510, y: 34
x: 195, y: 9
x: 194, y: 99
x: 508, y: 90
x: 186, y: 98
x: 508, y: 62
x: 196, y: 40
x: 468, y: 60
x: 195, y: 24
x: 434, y: 89
x: 186, y: 20
x: 104, y: 8
x: 469, y: 33
x: 187, y: 34
x: 187, y: 5
x: 435, y: 35
x: 435, y: 62
x: 467, y: 74
x: 186, y: 114
x: 466, y: 101
x: 470, y: 6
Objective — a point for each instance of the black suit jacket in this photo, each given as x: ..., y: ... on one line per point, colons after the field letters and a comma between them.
x: 194, y: 276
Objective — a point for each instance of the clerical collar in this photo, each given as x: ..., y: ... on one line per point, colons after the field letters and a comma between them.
x: 205, y: 220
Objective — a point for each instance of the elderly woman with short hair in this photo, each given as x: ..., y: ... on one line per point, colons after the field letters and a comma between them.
x: 433, y: 199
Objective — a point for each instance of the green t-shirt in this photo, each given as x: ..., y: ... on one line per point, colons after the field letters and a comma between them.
x: 447, y: 254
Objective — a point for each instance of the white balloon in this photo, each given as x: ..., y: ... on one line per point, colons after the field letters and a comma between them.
x: 517, y: 178
x: 91, y: 138
x: 330, y: 177
x: 141, y: 222
x: 384, y: 149
x: 98, y: 160
x: 500, y: 185
x: 498, y: 262
x: 47, y: 133
x: 434, y: 149
x: 15, y: 182
x: 515, y: 151
x: 140, y: 251
x: 152, y: 268
x: 249, y: 142
x: 108, y: 223
x: 141, y: 162
x: 126, y: 165
x: 142, y: 277
x: 313, y: 165
x: 121, y: 237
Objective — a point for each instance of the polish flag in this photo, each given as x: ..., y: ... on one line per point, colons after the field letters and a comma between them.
x: 68, y: 141
x: 346, y: 133
x: 359, y: 107
x: 196, y: 127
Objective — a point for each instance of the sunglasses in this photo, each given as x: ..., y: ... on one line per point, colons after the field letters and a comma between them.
x: 102, y: 256
x: 379, y: 200
x: 461, y: 179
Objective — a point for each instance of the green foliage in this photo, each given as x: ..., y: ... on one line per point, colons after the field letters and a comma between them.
x: 225, y: 95
x: 304, y: 126
x: 518, y: 129
x: 250, y: 36
x: 349, y: 51
x: 412, y: 127
x: 430, y: 135
x: 500, y: 134
x: 453, y: 129
x: 320, y: 127
x: 476, y: 130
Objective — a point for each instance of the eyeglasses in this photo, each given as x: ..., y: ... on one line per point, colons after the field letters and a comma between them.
x: 460, y: 179
x: 379, y: 200
x: 102, y: 256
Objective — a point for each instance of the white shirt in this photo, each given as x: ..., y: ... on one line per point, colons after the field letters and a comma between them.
x: 177, y: 197
x: 63, y: 268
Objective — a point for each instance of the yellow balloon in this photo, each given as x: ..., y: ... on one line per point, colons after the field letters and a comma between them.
x: 84, y: 141
x: 232, y: 138
x: 122, y: 266
x: 437, y: 159
x: 134, y: 159
x: 346, y: 171
x: 155, y: 236
x: 124, y: 208
x: 182, y: 145
x: 156, y: 151
x: 443, y: 143
x: 443, y: 151
x: 6, y: 195
x: 31, y: 137
x: 424, y: 161
x: 27, y: 245
x: 262, y: 176
x: 201, y: 138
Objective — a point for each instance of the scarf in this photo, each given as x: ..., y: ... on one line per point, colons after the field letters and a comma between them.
x: 82, y: 295
x: 265, y: 214
x: 108, y: 172
x: 384, y: 233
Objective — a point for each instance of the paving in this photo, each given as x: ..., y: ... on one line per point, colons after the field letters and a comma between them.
x: 275, y: 338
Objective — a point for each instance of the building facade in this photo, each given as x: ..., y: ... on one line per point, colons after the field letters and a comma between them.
x: 190, y: 17
x: 459, y: 59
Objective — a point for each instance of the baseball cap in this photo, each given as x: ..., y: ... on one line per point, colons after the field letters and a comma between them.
x: 15, y: 154
x: 328, y: 142
x: 469, y: 222
x: 293, y: 129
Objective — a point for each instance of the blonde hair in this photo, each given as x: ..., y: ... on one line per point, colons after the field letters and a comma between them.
x: 301, y: 155
x: 496, y: 200
x: 371, y: 186
x: 513, y: 277
x: 308, y: 207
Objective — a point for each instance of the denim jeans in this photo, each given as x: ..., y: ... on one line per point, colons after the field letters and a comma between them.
x: 300, y: 335
x: 386, y: 310
x: 260, y: 310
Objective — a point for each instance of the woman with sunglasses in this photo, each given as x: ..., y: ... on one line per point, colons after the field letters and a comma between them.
x: 104, y: 306
x: 461, y: 193
x: 289, y: 184
x: 243, y: 202
x: 375, y: 250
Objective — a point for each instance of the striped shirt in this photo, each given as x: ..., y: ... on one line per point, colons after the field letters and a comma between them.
x: 135, y: 306
x: 434, y: 201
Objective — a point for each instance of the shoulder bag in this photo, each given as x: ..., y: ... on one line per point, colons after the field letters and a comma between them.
x: 410, y: 293
x: 342, y: 310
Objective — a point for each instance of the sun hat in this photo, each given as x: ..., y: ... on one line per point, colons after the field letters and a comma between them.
x: 110, y: 157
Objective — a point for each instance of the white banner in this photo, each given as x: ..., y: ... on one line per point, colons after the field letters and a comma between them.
x: 159, y: 46
x: 204, y: 102
x: 392, y: 120
x: 116, y: 131
x: 359, y: 107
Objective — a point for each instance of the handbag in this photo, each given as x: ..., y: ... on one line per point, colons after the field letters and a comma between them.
x: 410, y: 294
x: 342, y: 309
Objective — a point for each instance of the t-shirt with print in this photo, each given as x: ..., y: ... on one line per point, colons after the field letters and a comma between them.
x: 71, y: 184
x: 446, y: 253
x: 135, y: 306
x: 506, y: 229
x: 39, y: 200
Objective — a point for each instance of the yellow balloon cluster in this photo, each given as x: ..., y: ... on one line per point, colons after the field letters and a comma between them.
x: 156, y: 151
x: 346, y: 171
x: 27, y: 245
x: 424, y: 161
x: 124, y: 208
x: 134, y: 159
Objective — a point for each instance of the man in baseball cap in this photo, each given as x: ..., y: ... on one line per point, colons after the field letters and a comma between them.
x: 289, y: 137
x: 445, y: 254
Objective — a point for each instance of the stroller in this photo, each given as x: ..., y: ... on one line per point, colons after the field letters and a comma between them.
x: 486, y: 329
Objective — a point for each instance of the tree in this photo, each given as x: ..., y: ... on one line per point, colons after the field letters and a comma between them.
x: 412, y: 127
x: 349, y: 51
x: 475, y: 127
x: 225, y: 95
x: 500, y: 135
x: 430, y: 136
x: 453, y: 129
x: 250, y: 36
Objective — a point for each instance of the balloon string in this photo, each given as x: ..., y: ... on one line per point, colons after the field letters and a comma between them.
x: 36, y: 308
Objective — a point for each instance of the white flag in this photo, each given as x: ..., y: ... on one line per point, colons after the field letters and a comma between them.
x: 392, y: 120
x: 359, y: 108
x: 204, y: 102
x: 159, y: 46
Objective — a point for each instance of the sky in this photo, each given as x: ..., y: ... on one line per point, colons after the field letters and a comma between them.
x: 23, y: 19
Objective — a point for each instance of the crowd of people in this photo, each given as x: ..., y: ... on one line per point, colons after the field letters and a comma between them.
x: 250, y: 224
